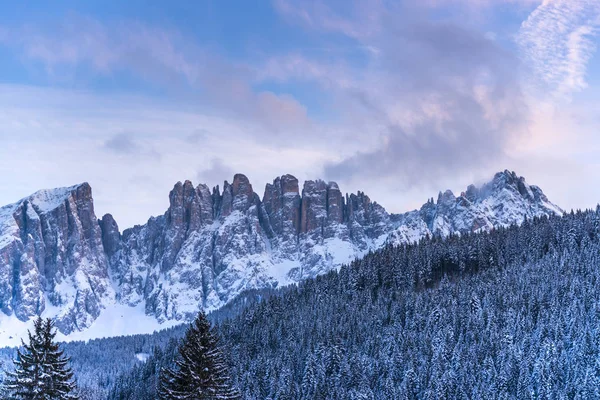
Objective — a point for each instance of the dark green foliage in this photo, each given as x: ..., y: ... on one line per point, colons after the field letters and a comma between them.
x: 200, y: 371
x: 41, y: 369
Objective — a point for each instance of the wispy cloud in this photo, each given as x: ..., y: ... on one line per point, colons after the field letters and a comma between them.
x: 482, y: 3
x: 557, y: 40
x: 159, y: 57
x: 128, y: 145
x: 320, y: 16
x: 216, y: 172
x: 121, y: 143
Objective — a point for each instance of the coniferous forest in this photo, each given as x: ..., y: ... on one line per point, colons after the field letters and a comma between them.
x: 508, y: 314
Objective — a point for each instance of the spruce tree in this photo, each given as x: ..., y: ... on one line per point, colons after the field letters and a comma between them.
x: 41, y: 370
x: 200, y: 370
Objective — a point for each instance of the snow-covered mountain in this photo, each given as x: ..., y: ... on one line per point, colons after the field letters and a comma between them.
x: 506, y: 200
x: 58, y: 259
x: 52, y: 258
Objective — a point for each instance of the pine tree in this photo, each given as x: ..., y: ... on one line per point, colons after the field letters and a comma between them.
x: 41, y: 370
x: 200, y: 370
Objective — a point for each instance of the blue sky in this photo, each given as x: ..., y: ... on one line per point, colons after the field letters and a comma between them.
x: 398, y: 99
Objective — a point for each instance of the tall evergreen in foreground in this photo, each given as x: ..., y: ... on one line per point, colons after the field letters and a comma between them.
x: 41, y: 370
x: 200, y: 370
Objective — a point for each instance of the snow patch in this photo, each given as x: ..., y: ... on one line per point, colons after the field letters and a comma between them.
x: 48, y: 200
x: 116, y: 320
x: 143, y: 357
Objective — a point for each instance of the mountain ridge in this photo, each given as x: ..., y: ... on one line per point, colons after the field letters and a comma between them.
x: 59, y: 259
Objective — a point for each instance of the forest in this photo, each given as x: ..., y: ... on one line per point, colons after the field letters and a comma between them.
x: 506, y: 314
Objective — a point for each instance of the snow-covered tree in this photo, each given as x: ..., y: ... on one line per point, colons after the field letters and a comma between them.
x: 506, y: 314
x: 41, y: 369
x: 200, y: 370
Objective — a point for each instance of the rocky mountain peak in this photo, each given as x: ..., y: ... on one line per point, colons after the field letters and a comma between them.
x: 289, y: 184
x: 49, y: 199
x: 52, y: 254
x: 243, y: 195
x: 508, y: 180
x: 506, y: 199
x: 446, y: 199
x: 210, y: 245
x: 282, y: 204
x: 471, y: 193
x: 508, y: 184
x: 241, y: 185
x: 314, y: 205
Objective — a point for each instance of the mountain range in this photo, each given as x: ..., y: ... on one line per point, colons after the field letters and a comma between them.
x: 58, y: 259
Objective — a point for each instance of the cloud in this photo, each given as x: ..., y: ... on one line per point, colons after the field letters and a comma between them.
x: 435, y: 99
x: 153, y: 54
x: 217, y: 172
x: 198, y: 136
x: 61, y: 137
x: 161, y: 58
x: 126, y: 144
x: 557, y: 41
x: 318, y: 15
x: 481, y: 3
x: 122, y: 143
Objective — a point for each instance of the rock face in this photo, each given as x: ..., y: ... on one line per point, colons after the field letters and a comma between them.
x: 52, y: 256
x: 57, y: 258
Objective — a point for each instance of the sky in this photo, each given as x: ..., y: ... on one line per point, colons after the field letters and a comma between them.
x: 399, y: 99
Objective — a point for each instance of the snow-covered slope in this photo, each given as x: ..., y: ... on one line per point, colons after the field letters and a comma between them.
x: 58, y: 259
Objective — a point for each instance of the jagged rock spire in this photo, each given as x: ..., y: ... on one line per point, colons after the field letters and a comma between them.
x: 210, y: 245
